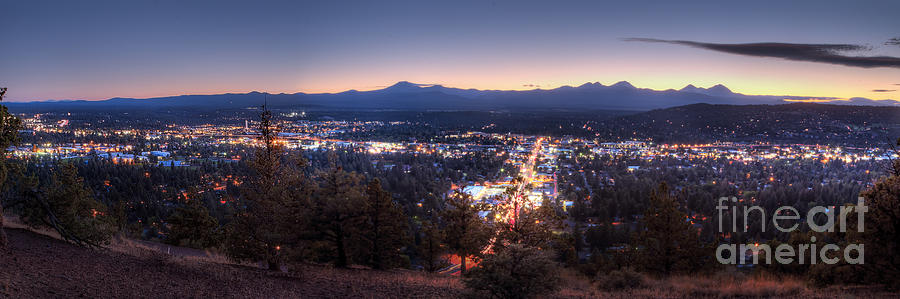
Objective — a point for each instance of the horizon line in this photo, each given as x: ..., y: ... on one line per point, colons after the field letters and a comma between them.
x: 788, y: 98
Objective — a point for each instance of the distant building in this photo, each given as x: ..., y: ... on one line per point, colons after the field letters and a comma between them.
x: 172, y: 163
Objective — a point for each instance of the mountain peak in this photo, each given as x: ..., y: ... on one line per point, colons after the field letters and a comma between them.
x: 719, y: 88
x: 689, y: 87
x: 591, y: 84
x: 716, y: 90
x: 404, y: 85
x: 624, y: 84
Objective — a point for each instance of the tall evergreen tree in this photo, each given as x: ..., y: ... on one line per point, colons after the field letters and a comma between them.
x: 667, y: 242
x: 9, y: 129
x: 387, y: 226
x: 431, y: 247
x: 339, y: 213
x: 272, y: 204
x: 881, y: 231
x: 465, y: 233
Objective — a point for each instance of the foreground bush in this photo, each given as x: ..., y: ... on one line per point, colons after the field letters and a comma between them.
x: 516, y: 272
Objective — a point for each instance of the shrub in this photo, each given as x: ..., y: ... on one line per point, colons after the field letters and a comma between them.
x: 517, y: 271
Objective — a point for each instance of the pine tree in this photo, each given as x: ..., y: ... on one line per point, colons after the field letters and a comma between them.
x: 339, y: 212
x: 387, y: 226
x: 191, y: 225
x: 431, y: 247
x: 67, y: 206
x: 465, y: 233
x: 272, y: 206
x: 9, y: 128
x: 529, y: 227
x: 881, y: 231
x: 667, y: 242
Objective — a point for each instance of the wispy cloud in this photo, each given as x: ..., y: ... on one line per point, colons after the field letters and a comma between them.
x: 893, y: 42
x: 823, y: 53
x: 884, y: 90
x: 809, y: 100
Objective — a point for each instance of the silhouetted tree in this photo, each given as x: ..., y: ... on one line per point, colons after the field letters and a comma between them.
x: 529, y: 227
x: 272, y: 205
x: 431, y: 247
x: 465, y: 233
x: 191, y: 225
x: 339, y: 212
x: 667, y: 242
x: 67, y: 206
x: 9, y: 128
x: 518, y: 271
x: 387, y: 226
x: 881, y: 234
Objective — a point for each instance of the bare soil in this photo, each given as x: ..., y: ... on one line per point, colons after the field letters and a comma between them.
x: 37, y: 266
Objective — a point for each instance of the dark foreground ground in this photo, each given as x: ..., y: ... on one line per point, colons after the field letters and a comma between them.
x: 36, y: 266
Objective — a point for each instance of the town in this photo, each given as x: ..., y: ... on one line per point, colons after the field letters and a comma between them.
x: 538, y: 169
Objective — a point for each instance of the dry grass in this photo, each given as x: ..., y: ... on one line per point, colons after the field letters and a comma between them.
x: 719, y: 285
x: 414, y: 278
x: 575, y: 285
x: 730, y: 286
x: 123, y: 245
x: 354, y: 276
x: 14, y: 222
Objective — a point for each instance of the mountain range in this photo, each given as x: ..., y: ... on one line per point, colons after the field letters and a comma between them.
x: 412, y: 96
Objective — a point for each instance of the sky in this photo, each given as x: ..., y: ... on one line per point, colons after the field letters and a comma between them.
x: 96, y: 50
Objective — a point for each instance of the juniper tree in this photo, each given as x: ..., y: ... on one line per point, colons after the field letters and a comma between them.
x: 518, y: 271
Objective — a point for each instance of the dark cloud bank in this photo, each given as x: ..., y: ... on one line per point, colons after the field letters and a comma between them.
x: 823, y: 53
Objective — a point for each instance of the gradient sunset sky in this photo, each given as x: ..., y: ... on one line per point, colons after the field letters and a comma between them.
x: 101, y: 49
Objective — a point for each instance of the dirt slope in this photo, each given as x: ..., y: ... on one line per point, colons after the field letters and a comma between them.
x: 37, y: 266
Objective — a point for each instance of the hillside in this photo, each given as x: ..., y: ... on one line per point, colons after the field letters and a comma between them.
x: 37, y: 266
x: 797, y: 122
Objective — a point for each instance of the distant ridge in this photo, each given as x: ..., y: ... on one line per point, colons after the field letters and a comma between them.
x: 405, y: 95
x: 789, y: 123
